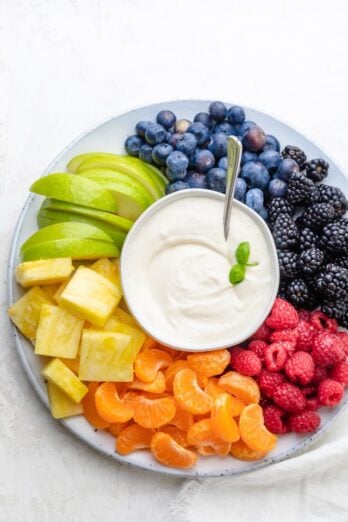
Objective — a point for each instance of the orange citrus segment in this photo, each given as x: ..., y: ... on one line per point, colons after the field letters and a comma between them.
x: 241, y: 451
x: 222, y: 421
x: 132, y: 438
x: 173, y: 353
x: 182, y: 419
x: 109, y: 406
x: 212, y: 387
x: 253, y: 431
x: 153, y: 413
x: 116, y: 428
x: 209, y: 363
x: 148, y: 344
x: 90, y: 410
x: 206, y: 451
x: 188, y: 393
x: 169, y: 453
x: 158, y: 385
x: 148, y: 363
x: 242, y: 387
x: 178, y: 435
x: 172, y: 370
x: 201, y: 434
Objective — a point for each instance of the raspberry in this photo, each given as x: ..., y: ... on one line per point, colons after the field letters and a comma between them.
x: 327, y: 349
x: 236, y: 350
x: 258, y: 347
x: 323, y: 322
x: 339, y: 372
x: 264, y: 402
x: 306, y: 333
x: 320, y: 373
x: 309, y: 391
x: 330, y: 392
x: 275, y: 357
x: 300, y: 368
x: 269, y: 382
x: 283, y: 315
x: 262, y: 334
x: 247, y: 362
x: 304, y: 315
x: 289, y: 397
x: 344, y: 340
x: 313, y: 403
x: 304, y: 422
x: 285, y: 335
x: 273, y: 419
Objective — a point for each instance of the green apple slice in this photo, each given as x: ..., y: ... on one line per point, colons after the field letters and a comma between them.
x: 76, y: 248
x: 159, y: 177
x: 65, y: 231
x: 130, y: 201
x: 47, y: 217
x: 106, y: 217
x: 74, y: 189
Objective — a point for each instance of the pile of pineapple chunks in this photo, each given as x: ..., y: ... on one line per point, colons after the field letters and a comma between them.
x: 72, y: 316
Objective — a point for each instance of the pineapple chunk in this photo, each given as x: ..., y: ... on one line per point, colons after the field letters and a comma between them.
x: 113, y: 324
x: 60, y: 375
x: 25, y: 313
x: 61, y: 405
x: 72, y: 364
x: 124, y: 317
x: 50, y: 290
x: 58, y: 333
x: 60, y: 290
x: 44, y: 272
x: 90, y: 296
x: 106, y: 356
x: 108, y: 269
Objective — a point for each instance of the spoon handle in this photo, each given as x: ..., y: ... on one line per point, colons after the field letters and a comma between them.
x: 234, y: 156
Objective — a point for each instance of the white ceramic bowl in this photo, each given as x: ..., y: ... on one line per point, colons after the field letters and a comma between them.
x: 131, y: 246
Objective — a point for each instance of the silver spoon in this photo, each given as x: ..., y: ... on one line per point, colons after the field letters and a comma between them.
x: 234, y: 156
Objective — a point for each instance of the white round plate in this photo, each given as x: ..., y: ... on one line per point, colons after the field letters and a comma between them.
x: 109, y: 137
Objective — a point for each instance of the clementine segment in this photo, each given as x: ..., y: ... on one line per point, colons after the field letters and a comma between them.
x: 116, y: 428
x: 172, y: 370
x: 148, y: 363
x: 253, y: 431
x: 133, y: 438
x: 189, y: 395
x: 242, y: 387
x: 212, y: 387
x: 169, y: 453
x: 222, y: 421
x: 90, y: 410
x: 241, y: 451
x: 153, y: 413
x: 158, y: 385
x: 182, y: 419
x: 178, y: 435
x: 109, y: 406
x: 201, y: 434
x: 209, y: 363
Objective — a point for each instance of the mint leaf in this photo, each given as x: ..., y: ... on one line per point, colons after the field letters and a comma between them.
x: 237, y: 274
x: 243, y: 253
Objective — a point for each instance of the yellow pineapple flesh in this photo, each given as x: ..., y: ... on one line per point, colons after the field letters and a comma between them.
x: 124, y: 317
x: 72, y: 364
x: 58, y: 333
x: 25, y: 313
x: 60, y: 375
x: 60, y: 290
x: 44, y: 272
x: 61, y: 405
x: 50, y: 290
x: 113, y: 324
x: 90, y: 296
x: 108, y: 269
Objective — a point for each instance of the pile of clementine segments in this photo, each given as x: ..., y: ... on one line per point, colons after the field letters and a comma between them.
x: 181, y: 405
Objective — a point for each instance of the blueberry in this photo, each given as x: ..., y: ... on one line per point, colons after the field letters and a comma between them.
x: 245, y: 127
x: 145, y: 153
x: 248, y: 156
x: 133, y: 144
x: 175, y: 176
x: 181, y: 126
x: 155, y: 134
x: 254, y: 199
x: 236, y: 114
x: 271, y: 143
x: 205, y: 118
x: 202, y: 160
x: 270, y: 159
x: 240, y: 190
x: 196, y: 180
x: 166, y: 119
x: 200, y: 131
x: 277, y: 188
x: 161, y: 152
x: 177, y: 162
x: 254, y: 139
x: 177, y: 185
x: 218, y: 145
x: 186, y: 143
x: 286, y: 167
x: 218, y: 110
x: 223, y: 163
x: 141, y: 127
x: 225, y: 128
x: 264, y: 213
x: 216, y: 179
x: 255, y: 174
x: 173, y: 140
x: 168, y: 136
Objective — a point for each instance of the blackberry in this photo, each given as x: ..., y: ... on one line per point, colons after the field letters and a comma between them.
x: 313, y: 195
x: 285, y: 232
x: 308, y: 239
x: 287, y: 263
x: 282, y: 291
x: 298, y: 293
x: 310, y: 261
x: 334, y: 237
x: 317, y: 169
x: 318, y: 215
x: 279, y: 206
x: 341, y: 261
x: 335, y: 197
x: 334, y: 309
x: 344, y: 320
x: 295, y: 153
x: 313, y: 299
x: 332, y: 282
x: 299, y: 189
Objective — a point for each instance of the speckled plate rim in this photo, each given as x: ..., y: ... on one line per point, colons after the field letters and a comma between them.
x: 296, y: 449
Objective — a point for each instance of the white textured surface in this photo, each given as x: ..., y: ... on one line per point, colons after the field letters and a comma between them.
x: 66, y: 65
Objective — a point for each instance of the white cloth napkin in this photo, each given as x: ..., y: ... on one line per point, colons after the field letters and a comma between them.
x: 308, y: 488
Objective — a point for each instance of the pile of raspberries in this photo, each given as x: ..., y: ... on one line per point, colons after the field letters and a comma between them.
x: 299, y: 360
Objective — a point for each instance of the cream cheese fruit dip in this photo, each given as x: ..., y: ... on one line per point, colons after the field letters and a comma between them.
x: 175, y: 272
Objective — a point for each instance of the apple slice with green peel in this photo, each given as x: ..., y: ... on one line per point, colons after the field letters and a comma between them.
x: 130, y: 201
x: 76, y: 248
x: 65, y: 231
x: 159, y: 177
x: 47, y: 217
x: 75, y: 189
x: 106, y: 217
